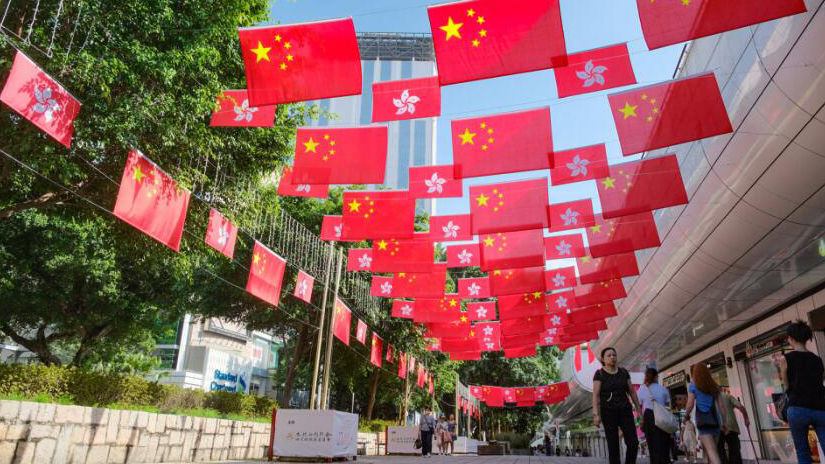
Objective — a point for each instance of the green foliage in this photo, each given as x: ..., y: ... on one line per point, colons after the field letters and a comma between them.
x: 517, y: 440
x: 375, y: 425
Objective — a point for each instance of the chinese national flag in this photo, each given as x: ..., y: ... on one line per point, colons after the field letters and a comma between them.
x: 234, y: 110
x: 359, y: 259
x: 593, y: 313
x: 468, y: 343
x: 494, y: 396
x: 221, y: 233
x: 578, y: 164
x: 557, y: 392
x: 478, y: 287
x: 390, y: 354
x: 266, y: 273
x: 465, y: 356
x: 421, y: 375
x: 406, y: 99
x: 287, y: 189
x: 509, y: 206
x: 570, y: 215
x: 391, y: 255
x: 667, y: 23
x: 668, y: 114
x: 557, y: 279
x: 361, y: 332
x: 463, y: 255
x: 402, y: 365
x: 507, y: 250
x: 525, y: 396
x: 601, y: 292
x: 434, y: 182
x: 42, y: 100
x: 448, y: 329
x: 480, y: 39
x: 595, y: 70
x: 294, y: 62
x: 378, y: 215
x: 520, y: 306
x: 622, y: 234
x: 340, y: 155
x: 522, y: 352
x: 421, y: 284
x: 376, y: 350
x: 644, y: 185
x: 332, y: 229
x: 481, y: 311
x: 403, y: 309
x: 381, y: 287
x: 517, y: 281
x: 303, y: 286
x: 561, y: 301
x: 564, y: 246
x: 151, y: 201
x: 451, y: 228
x: 445, y: 309
x: 593, y: 270
x: 341, y: 320
x: 502, y: 143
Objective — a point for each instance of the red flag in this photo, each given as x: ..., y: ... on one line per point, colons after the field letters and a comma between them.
x: 381, y: 287
x: 578, y: 164
x: 287, y: 189
x: 517, y: 281
x: 523, y: 352
x: 266, y: 273
x: 431, y: 384
x: 595, y: 70
x: 393, y: 255
x: 389, y: 356
x: 622, y: 234
x: 521, y: 332
x: 570, y: 215
x: 303, y: 286
x: 465, y: 356
x: 221, y: 234
x: 41, y: 99
x: 557, y: 392
x: 525, y: 396
x: 546, y: 339
x: 420, y: 377
x: 645, y: 185
x: 402, y: 365
x: 478, y: 287
x: 481, y: 311
x: 463, y: 255
x: 494, y: 396
x: 608, y: 267
x: 421, y: 284
x: 601, y: 292
x: 521, y: 306
x: 403, y: 309
x: 502, y: 143
x: 477, y: 392
x: 387, y: 214
x: 361, y: 332
x: 558, y: 279
x: 555, y: 321
x: 480, y: 39
x: 340, y: 155
x: 448, y: 329
x: 490, y: 335
x: 341, y: 320
x: 359, y: 259
x: 332, y: 229
x: 667, y: 23
x: 564, y: 246
x: 593, y: 313
x: 670, y: 113
x: 234, y: 110
x: 406, y: 99
x: 151, y: 201
x: 451, y: 228
x: 540, y: 393
x: 509, y: 395
x: 445, y: 309
x: 434, y: 182
x: 509, y: 206
x: 561, y: 301
x: 294, y: 62
x: 468, y: 343
x: 506, y: 250
x: 376, y: 350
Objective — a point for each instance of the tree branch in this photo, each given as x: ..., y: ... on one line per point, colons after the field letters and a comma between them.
x: 37, y: 346
x: 88, y: 341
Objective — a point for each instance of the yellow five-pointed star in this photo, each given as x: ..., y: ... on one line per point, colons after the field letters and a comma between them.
x: 261, y: 52
x: 596, y: 228
x: 482, y: 200
x: 354, y: 205
x: 537, y: 295
x: 256, y: 258
x: 489, y: 241
x: 137, y: 174
x: 467, y: 137
x: 310, y: 146
x: 609, y: 182
x: 453, y: 302
x: 451, y: 28
x: 628, y: 110
x: 382, y: 245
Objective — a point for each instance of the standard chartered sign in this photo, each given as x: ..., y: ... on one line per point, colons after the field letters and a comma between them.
x: 227, y: 381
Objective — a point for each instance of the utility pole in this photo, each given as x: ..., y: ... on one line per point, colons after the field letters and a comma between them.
x: 328, y: 357
x: 320, y: 339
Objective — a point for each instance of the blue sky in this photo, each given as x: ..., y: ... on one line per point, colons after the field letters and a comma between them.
x: 576, y: 121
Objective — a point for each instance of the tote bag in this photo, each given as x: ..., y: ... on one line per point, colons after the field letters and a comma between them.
x: 664, y: 419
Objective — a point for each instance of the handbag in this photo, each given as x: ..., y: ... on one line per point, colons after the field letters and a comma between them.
x: 418, y: 443
x: 707, y: 419
x: 664, y: 419
x: 782, y: 406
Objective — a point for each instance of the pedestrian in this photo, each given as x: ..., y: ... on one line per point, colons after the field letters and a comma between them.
x: 689, y: 441
x: 613, y: 401
x: 452, y: 427
x: 801, y: 373
x: 443, y: 435
x: 425, y: 433
x: 558, y: 451
x: 658, y: 443
x: 703, y: 392
x: 729, y: 445
x: 567, y: 451
x: 548, y: 445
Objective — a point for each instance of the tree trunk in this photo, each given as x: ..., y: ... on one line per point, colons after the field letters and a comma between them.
x: 297, y: 354
x: 88, y: 341
x: 405, y: 407
x: 39, y: 345
x: 373, y: 389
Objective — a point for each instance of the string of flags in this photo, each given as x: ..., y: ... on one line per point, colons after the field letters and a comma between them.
x: 498, y: 397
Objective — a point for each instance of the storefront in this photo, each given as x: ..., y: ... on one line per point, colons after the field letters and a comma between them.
x: 677, y: 385
x: 718, y: 369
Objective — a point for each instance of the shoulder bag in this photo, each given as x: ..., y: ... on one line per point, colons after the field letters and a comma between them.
x: 664, y: 419
x: 707, y: 419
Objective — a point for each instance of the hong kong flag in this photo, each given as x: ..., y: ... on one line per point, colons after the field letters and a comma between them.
x: 540, y: 393
x: 481, y: 311
x: 361, y: 332
x: 601, y: 292
x: 381, y: 287
x: 403, y: 309
x: 41, y: 99
x: 667, y: 23
x: 386, y: 215
x: 421, y: 284
x: 266, y: 273
x: 517, y: 281
x: 558, y: 279
x: 520, y: 306
x: 561, y: 301
x: 509, y: 206
x: 340, y: 155
x: 502, y: 143
x: 668, y: 114
x: 402, y: 365
x: 594, y: 70
x: 221, y: 234
x: 451, y: 228
x: 477, y: 392
x: 507, y: 250
x: 332, y: 229
x: 570, y: 215
x: 478, y: 287
x: 406, y: 99
x: 546, y: 339
x: 614, y: 266
x: 234, y: 110
x: 390, y: 354
x: 564, y: 246
x: 287, y: 189
x: 294, y: 62
x: 303, y: 286
x: 434, y: 182
x: 341, y: 321
x: 490, y: 335
x: 402, y: 255
x: 376, y: 350
x: 644, y: 185
x: 578, y: 164
x: 622, y: 234
x: 509, y: 395
x: 151, y: 201
x: 359, y: 259
x: 433, y: 345
x: 479, y: 39
x: 463, y: 255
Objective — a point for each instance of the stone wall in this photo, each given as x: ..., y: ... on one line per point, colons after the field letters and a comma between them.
x: 39, y: 433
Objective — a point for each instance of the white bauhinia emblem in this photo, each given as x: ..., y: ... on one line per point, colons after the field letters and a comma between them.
x: 450, y: 230
x: 361, y: 333
x: 303, y: 287
x: 406, y: 310
x: 488, y: 330
x: 561, y: 302
x: 481, y: 311
x: 436, y: 346
x: 578, y: 166
x: 559, y: 280
x: 548, y: 339
x: 555, y: 320
x: 338, y: 230
x: 473, y: 288
x: 570, y: 217
x: 464, y: 257
x: 223, y: 235
x: 244, y: 111
x: 303, y: 188
x: 563, y: 248
x: 490, y: 346
x: 435, y: 183
x: 553, y: 330
x: 365, y: 261
x: 45, y: 105
x: 405, y: 104
x: 591, y: 74
x: 386, y: 288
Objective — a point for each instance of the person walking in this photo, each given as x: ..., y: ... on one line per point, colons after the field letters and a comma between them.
x: 442, y: 434
x: 612, y: 397
x: 658, y: 442
x: 425, y: 433
x: 703, y: 392
x: 802, y: 373
x: 548, y: 444
x: 729, y: 445
x: 452, y: 427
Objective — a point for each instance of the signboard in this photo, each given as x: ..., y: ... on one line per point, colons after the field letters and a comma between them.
x: 675, y: 380
x: 227, y: 328
x: 401, y: 439
x: 226, y: 372
x: 315, y: 433
x: 466, y: 446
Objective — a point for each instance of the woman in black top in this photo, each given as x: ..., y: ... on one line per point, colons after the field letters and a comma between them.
x: 802, y: 375
x: 612, y: 396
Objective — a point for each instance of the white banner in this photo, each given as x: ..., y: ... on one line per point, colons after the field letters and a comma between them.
x: 315, y: 433
x: 401, y: 440
x: 463, y: 445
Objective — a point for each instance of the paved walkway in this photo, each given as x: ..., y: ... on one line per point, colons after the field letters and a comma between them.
x: 509, y: 459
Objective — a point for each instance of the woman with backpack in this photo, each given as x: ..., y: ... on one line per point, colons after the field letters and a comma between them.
x: 703, y: 392
x: 612, y: 396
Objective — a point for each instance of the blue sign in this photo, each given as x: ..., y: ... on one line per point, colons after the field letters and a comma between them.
x: 237, y: 381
